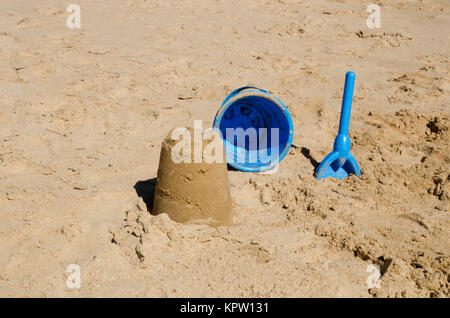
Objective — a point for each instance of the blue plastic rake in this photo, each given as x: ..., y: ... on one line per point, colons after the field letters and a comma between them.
x: 340, y: 163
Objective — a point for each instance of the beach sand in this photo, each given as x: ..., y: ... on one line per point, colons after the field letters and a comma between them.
x: 83, y: 113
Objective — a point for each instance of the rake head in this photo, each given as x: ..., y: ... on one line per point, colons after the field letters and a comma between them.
x: 335, y: 166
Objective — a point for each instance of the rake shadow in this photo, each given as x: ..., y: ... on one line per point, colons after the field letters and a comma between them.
x: 307, y: 153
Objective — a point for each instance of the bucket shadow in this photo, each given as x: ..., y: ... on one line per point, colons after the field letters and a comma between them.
x: 307, y: 153
x: 231, y: 168
x: 146, y: 190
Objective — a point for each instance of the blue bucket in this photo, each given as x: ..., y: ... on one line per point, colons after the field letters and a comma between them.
x: 256, y: 128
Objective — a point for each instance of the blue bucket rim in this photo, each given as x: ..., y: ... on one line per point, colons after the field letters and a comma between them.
x: 230, y: 100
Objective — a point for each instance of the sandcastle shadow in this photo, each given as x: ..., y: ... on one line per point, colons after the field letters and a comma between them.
x: 146, y: 190
x: 231, y: 168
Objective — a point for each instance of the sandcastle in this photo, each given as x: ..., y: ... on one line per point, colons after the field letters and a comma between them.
x: 194, y: 190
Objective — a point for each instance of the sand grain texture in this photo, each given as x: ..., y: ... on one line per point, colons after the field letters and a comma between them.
x: 83, y: 114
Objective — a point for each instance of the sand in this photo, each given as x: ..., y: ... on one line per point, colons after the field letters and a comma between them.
x: 84, y: 113
x: 192, y: 183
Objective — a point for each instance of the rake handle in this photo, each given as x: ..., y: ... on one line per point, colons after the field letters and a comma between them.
x: 347, y: 103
